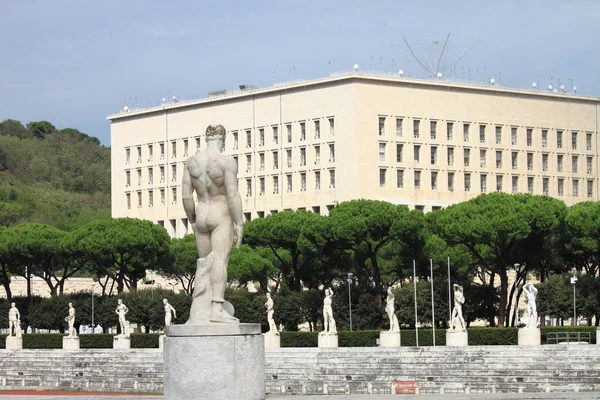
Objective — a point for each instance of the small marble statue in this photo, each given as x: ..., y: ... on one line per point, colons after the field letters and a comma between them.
x: 531, y: 293
x: 328, y: 321
x: 169, y: 310
x: 457, y: 316
x: 71, y: 321
x: 14, y: 321
x: 269, y: 305
x: 217, y: 220
x: 123, y: 323
x: 390, y: 309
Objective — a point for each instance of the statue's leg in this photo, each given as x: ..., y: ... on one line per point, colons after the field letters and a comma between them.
x: 221, y: 242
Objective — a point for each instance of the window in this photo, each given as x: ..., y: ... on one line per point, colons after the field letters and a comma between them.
x: 560, y: 189
x: 275, y: 160
x: 574, y: 162
x: 139, y: 153
x: 466, y: 128
x: 482, y: 133
x: 514, y: 158
x: 467, y: 182
x: 317, y: 180
x: 317, y: 155
x: 544, y: 162
x: 381, y: 126
x: 588, y: 141
x: 433, y: 155
x: 275, y: 135
x: 467, y: 157
x: 261, y: 137
x: 590, y: 188
x: 173, y: 173
x: 127, y: 156
x: 574, y: 140
x: 498, y: 134
x: 332, y: 153
x: 248, y: 187
x: 399, y: 178
x: 498, y: 183
x: 185, y: 148
x: 289, y: 158
x: 515, y: 184
x: 417, y: 179
x: 127, y: 178
x: 544, y: 137
x: 450, y: 155
x: 482, y: 157
x: 303, y: 156
x: 150, y: 176
x: 261, y: 183
x: 529, y: 136
x: 248, y: 138
x: 529, y: 161
x: 433, y: 129
x: 451, y: 181
x: 530, y: 184
x: 416, y: 126
x: 303, y: 182
x: 150, y: 198
x: 559, y: 162
x: 275, y: 185
x: 589, y: 163
x: 399, y: 152
x: 332, y: 178
x: 513, y: 136
x: 559, y: 139
x: 302, y: 131
x: 449, y: 130
x: 498, y: 159
x: 417, y: 153
x: 288, y: 183
x: 261, y: 158
x: 545, y: 186
x: 382, y: 172
x: 162, y: 151
x: 128, y: 199
x: 174, y: 195
x: 162, y: 197
x: 434, y: 176
x: 198, y: 145
x: 235, y: 141
x: 162, y: 174
x: 399, y: 122
x: 381, y: 151
x: 483, y: 183
x: 317, y: 129
x: 289, y: 133
x: 248, y: 162
x: 575, y: 187
x: 150, y: 152
x: 331, y: 127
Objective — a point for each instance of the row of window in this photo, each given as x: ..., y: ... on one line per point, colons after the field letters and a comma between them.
x: 530, y: 137
x: 483, y: 158
x: 160, y: 147
x: 483, y: 182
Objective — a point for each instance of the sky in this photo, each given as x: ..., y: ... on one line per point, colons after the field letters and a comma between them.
x: 73, y: 62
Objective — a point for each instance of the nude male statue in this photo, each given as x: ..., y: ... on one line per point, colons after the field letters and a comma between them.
x: 328, y: 321
x: 531, y: 293
x: 123, y: 324
x: 14, y: 321
x: 168, y: 310
x: 390, y: 309
x: 71, y: 320
x: 457, y: 316
x: 217, y: 219
x: 270, y: 311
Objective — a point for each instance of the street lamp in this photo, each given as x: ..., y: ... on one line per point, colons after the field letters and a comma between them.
x: 516, y: 265
x: 93, y: 327
x: 173, y: 284
x: 349, y: 280
x: 573, y: 282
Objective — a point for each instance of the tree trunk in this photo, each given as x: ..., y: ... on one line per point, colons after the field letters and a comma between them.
x: 503, y: 292
x: 377, y: 278
x: 5, y: 278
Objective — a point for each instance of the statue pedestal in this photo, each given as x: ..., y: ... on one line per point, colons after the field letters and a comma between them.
x: 121, y: 342
x: 530, y: 337
x: 70, y: 343
x: 14, y: 343
x: 328, y: 340
x: 272, y: 340
x: 598, y: 335
x: 214, y: 362
x: 457, y: 338
x: 389, y: 339
x: 161, y: 341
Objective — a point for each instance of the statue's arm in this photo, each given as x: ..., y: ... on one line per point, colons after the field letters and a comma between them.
x: 188, y: 195
x: 234, y: 201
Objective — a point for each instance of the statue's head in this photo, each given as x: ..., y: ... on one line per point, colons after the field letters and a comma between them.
x: 457, y: 287
x: 268, y: 295
x: 215, y: 132
x: 119, y: 301
x: 165, y: 301
x: 70, y: 304
x: 389, y: 290
x: 12, y: 304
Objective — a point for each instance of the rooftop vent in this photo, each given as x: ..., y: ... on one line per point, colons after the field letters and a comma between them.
x: 220, y: 92
x: 247, y: 87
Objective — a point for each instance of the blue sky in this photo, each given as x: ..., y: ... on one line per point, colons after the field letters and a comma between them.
x: 73, y: 62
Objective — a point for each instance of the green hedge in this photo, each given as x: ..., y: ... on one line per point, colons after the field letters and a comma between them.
x: 96, y: 341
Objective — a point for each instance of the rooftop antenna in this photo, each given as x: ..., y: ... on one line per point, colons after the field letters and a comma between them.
x: 435, y: 64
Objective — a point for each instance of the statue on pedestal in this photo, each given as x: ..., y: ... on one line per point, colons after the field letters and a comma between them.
x: 169, y: 312
x: 14, y: 321
x: 328, y: 321
x: 272, y: 326
x: 121, y: 311
x: 217, y: 220
x: 531, y: 293
x: 457, y: 316
x: 390, y: 309
x: 71, y: 321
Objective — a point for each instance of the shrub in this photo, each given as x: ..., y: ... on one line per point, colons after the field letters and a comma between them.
x: 299, y: 339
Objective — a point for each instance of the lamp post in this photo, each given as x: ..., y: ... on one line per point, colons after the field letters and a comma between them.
x: 573, y: 282
x: 516, y: 265
x: 93, y: 327
x: 349, y: 280
x: 173, y: 284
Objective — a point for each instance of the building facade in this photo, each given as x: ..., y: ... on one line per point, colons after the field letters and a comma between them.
x: 310, y: 145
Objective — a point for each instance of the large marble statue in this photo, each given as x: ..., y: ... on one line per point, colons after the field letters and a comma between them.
x: 121, y: 311
x: 217, y: 220
x: 269, y: 305
x: 169, y: 312
x: 14, y: 321
x: 390, y: 309
x: 328, y: 321
x: 71, y: 321
x: 457, y: 316
x: 531, y: 293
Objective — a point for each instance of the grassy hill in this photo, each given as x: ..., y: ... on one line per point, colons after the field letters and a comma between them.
x: 56, y: 177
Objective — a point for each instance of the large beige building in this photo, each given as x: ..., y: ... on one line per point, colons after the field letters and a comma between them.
x: 311, y: 144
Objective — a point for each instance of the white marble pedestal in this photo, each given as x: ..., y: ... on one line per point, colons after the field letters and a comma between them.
x: 457, y: 338
x: 328, y: 340
x: 272, y: 340
x: 14, y: 343
x: 70, y: 343
x: 161, y: 341
x: 530, y: 337
x: 389, y: 339
x: 121, y: 342
x: 214, y: 362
